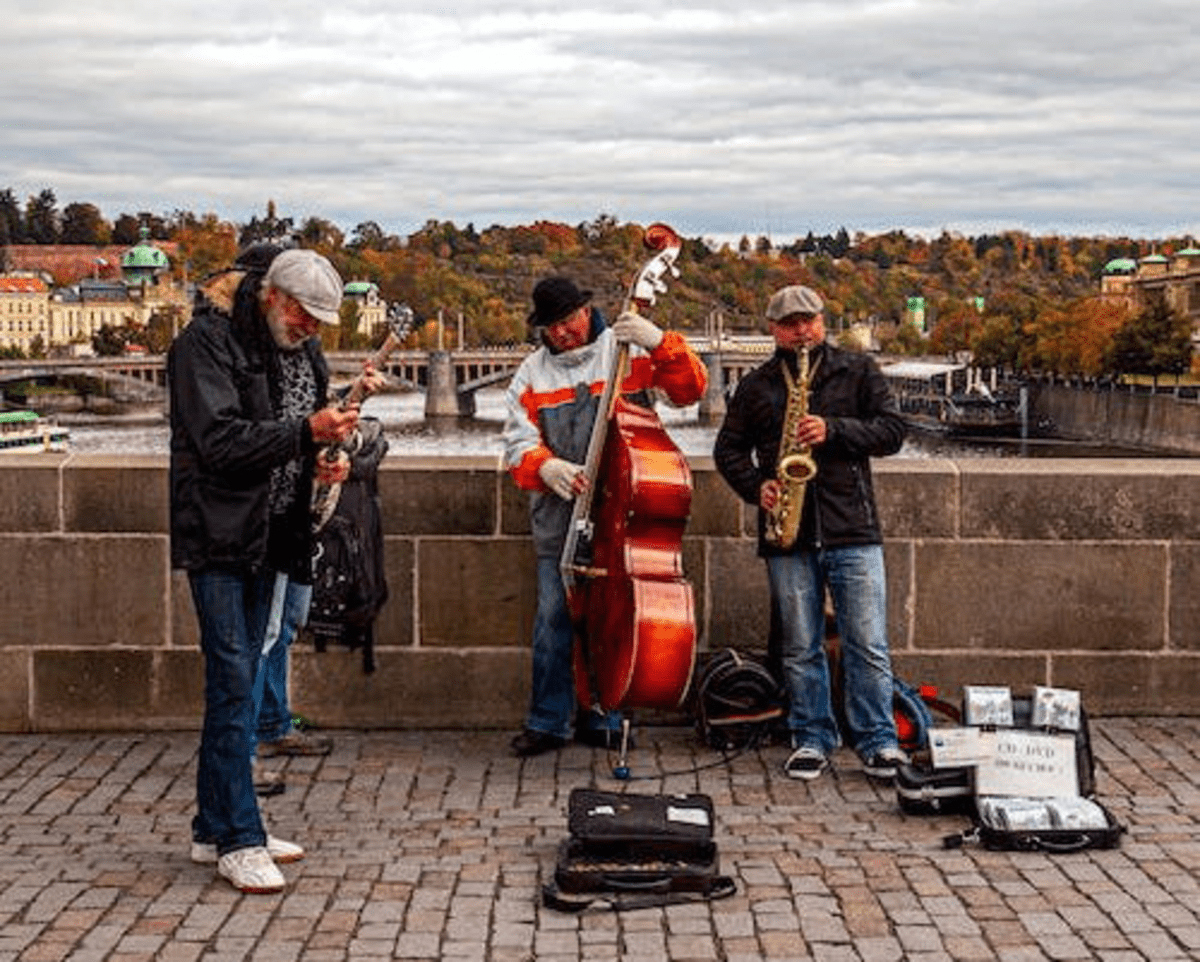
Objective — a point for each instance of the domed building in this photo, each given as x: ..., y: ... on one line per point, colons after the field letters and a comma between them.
x: 1176, y: 277
x: 372, y: 309
x: 143, y: 263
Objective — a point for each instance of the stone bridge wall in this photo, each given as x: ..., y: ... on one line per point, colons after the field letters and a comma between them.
x: 1084, y: 574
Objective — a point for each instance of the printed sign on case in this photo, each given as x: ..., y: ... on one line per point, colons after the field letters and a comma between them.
x: 1032, y: 764
x: 954, y: 747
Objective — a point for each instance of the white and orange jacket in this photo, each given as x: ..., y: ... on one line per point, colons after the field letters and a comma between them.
x: 552, y: 402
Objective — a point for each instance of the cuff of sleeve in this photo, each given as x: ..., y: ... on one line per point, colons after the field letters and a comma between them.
x: 669, y: 348
x: 525, y: 472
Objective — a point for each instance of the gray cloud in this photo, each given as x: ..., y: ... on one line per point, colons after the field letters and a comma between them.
x: 760, y: 118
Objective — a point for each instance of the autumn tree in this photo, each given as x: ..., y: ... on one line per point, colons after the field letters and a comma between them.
x: 958, y: 322
x: 370, y: 236
x: 206, y: 244
x: 1156, y: 341
x: 161, y: 327
x: 43, y: 224
x: 84, y: 224
x: 320, y: 234
x: 12, y: 225
x: 997, y: 341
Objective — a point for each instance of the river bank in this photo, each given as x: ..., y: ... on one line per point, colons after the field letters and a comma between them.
x: 410, y: 435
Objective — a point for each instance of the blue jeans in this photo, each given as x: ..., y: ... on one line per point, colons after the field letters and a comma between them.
x: 858, y: 585
x: 552, y: 698
x: 288, y: 614
x: 232, y: 610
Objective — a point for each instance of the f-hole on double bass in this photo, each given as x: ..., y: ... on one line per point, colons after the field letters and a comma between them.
x: 622, y: 565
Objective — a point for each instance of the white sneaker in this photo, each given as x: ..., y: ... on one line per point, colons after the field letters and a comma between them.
x: 251, y: 870
x: 805, y: 763
x: 883, y: 763
x: 277, y: 848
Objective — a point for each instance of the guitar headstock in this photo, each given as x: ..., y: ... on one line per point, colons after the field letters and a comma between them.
x: 400, y: 319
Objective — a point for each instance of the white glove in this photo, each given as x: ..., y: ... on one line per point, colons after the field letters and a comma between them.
x: 559, y: 476
x: 634, y: 329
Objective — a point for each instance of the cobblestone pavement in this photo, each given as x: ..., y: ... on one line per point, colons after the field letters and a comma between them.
x: 433, y: 845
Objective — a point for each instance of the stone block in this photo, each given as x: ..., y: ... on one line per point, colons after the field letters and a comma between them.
x: 1056, y: 500
x: 514, y: 508
x: 897, y: 558
x: 60, y: 591
x: 1132, y: 684
x: 116, y: 493
x: 179, y: 689
x: 476, y: 592
x: 14, y: 690
x: 440, y: 496
x: 1044, y: 596
x: 1184, y: 582
x: 917, y: 499
x: 695, y: 571
x: 92, y: 690
x: 739, y: 599
x: 716, y: 509
x: 414, y: 688
x: 185, y: 632
x: 29, y: 492
x: 394, y: 624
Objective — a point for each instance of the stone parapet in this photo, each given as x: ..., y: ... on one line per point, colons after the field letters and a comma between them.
x: 1080, y: 573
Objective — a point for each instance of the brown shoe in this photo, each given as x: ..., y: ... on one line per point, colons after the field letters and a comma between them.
x: 530, y: 743
x: 296, y: 742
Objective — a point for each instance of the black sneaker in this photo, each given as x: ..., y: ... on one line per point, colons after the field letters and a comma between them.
x: 883, y: 763
x: 805, y: 763
x: 530, y: 743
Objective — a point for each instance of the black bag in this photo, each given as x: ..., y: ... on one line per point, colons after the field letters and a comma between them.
x: 634, y: 851
x: 349, y: 581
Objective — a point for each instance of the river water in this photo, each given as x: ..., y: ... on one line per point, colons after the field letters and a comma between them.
x: 408, y: 435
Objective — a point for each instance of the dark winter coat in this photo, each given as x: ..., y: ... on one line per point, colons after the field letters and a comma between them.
x: 862, y: 420
x: 226, y: 436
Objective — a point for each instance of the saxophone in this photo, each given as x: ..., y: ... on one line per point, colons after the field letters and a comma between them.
x: 796, y: 466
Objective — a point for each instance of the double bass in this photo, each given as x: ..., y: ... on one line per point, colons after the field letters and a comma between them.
x: 622, y: 564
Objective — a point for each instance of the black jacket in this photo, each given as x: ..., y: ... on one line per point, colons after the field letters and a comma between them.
x: 853, y: 397
x: 226, y: 436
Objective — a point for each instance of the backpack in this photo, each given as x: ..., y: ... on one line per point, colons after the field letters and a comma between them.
x: 349, y: 581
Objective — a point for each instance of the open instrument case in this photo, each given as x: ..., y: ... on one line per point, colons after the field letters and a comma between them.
x: 1031, y: 784
x: 633, y: 851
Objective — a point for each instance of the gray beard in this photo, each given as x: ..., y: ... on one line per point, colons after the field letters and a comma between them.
x: 279, y: 335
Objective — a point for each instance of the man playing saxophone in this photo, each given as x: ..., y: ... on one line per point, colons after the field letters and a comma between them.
x: 797, y: 442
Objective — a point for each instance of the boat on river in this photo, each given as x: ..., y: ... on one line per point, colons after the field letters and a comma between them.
x: 27, y: 432
x: 953, y: 399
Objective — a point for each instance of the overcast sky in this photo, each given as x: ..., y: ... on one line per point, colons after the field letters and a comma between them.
x: 722, y: 118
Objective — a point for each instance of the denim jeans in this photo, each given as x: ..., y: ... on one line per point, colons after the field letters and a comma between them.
x: 232, y: 610
x: 288, y: 614
x: 858, y: 586
x: 552, y: 698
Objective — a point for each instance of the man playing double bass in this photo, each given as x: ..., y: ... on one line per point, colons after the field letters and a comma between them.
x: 552, y: 403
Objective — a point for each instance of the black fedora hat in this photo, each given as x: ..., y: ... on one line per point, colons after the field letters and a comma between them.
x: 553, y: 299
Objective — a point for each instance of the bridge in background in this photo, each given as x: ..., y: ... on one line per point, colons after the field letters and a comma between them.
x: 448, y: 378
